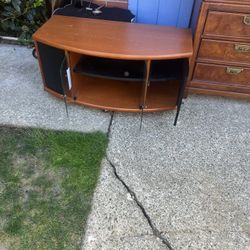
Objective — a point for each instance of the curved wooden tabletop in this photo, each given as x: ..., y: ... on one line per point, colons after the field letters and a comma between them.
x: 118, y: 40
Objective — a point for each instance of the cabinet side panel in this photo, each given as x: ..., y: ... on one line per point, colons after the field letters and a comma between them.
x: 199, y: 22
x: 51, y: 60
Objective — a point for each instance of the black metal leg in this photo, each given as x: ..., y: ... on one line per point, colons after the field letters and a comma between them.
x: 66, y: 105
x: 185, y: 69
x: 177, y: 116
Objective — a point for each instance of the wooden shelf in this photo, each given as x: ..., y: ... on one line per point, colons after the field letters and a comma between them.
x: 110, y: 68
x: 128, y: 70
x: 125, y: 95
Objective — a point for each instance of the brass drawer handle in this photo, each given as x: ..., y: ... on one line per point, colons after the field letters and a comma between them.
x: 242, y: 48
x: 246, y: 20
x: 234, y: 71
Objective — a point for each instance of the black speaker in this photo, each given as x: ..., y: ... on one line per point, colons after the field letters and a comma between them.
x: 52, y: 60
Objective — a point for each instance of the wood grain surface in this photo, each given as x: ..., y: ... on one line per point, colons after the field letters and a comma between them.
x: 227, y: 25
x: 125, y: 96
x: 221, y: 48
x: 118, y: 40
x: 217, y: 51
x: 218, y: 74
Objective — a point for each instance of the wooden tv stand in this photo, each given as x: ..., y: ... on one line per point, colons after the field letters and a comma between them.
x: 114, y: 65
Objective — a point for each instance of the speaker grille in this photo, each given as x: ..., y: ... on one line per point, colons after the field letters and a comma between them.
x: 51, y: 59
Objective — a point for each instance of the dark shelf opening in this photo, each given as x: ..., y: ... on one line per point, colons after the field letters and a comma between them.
x: 161, y: 70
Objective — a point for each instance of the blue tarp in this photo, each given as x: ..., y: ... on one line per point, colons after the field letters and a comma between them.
x: 163, y: 12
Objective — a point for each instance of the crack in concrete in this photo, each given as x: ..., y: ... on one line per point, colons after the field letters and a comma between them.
x: 155, y: 231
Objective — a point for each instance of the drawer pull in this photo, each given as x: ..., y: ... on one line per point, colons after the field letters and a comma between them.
x: 234, y: 71
x: 246, y: 20
x: 242, y: 48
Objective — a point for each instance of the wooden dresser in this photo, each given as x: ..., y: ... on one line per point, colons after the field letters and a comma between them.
x: 221, y: 62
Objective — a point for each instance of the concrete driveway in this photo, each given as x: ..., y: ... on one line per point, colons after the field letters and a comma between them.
x: 166, y: 187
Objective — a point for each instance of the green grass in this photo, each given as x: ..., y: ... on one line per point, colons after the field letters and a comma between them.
x: 47, y: 180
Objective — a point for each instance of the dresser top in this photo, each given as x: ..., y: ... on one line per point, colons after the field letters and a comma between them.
x: 229, y: 1
x: 118, y: 40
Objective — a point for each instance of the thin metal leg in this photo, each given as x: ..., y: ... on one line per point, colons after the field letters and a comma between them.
x: 177, y: 116
x: 185, y: 68
x: 179, y: 101
x: 66, y: 105
x: 141, y: 121
x: 145, y: 89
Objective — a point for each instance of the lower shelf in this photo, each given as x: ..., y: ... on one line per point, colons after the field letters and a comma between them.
x: 125, y: 96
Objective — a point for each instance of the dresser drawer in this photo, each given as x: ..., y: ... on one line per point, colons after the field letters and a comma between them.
x: 222, y: 74
x: 224, y: 51
x: 232, y: 25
